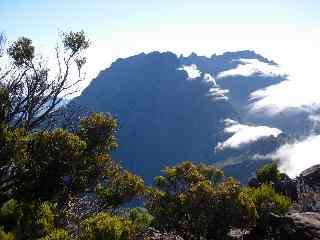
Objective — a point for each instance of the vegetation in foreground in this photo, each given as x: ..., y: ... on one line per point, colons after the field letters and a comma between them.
x: 44, y: 168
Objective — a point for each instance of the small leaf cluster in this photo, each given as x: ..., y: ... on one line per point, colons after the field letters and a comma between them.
x: 104, y: 226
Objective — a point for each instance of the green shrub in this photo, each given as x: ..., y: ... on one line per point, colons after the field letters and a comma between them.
x: 6, y: 236
x: 268, y: 173
x: 57, y: 234
x: 197, y: 203
x: 267, y: 202
x: 140, y: 218
x: 105, y: 227
x: 29, y: 220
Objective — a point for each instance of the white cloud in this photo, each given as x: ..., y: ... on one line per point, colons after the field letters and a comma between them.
x: 208, y: 77
x: 245, y: 134
x: 290, y: 94
x: 249, y: 67
x: 218, y: 93
x: 192, y: 71
x: 294, y: 158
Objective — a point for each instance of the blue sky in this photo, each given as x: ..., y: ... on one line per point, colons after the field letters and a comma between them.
x: 276, y: 29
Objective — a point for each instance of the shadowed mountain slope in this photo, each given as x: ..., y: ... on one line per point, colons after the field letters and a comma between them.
x: 165, y: 116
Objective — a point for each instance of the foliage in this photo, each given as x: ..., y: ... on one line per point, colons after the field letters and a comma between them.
x: 268, y: 173
x: 6, y: 236
x: 57, y: 234
x: 196, y: 202
x: 27, y: 220
x: 53, y: 165
x: 119, y: 186
x: 22, y: 51
x: 104, y: 226
x: 42, y: 167
x: 265, y: 196
x: 267, y: 202
x: 98, y: 132
x: 141, y: 218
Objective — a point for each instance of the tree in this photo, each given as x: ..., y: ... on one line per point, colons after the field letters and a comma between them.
x: 54, y: 165
x: 34, y: 96
x: 198, y: 202
x: 268, y: 173
x: 42, y: 170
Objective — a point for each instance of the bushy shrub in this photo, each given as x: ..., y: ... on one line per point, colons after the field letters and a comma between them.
x: 6, y: 235
x: 140, y: 218
x: 105, y: 227
x: 120, y: 186
x: 197, y: 202
x: 268, y: 173
x: 57, y: 234
x: 267, y: 202
x: 27, y: 220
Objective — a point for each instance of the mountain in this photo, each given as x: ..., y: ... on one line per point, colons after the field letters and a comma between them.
x: 172, y: 109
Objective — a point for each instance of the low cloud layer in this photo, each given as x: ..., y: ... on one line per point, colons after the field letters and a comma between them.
x: 245, y: 134
x: 290, y: 94
x: 249, y: 67
x: 218, y: 93
x: 294, y: 158
x: 192, y: 71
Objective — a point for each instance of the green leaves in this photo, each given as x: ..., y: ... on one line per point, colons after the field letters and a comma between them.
x: 57, y: 234
x: 27, y: 220
x: 53, y: 165
x: 104, y: 226
x: 98, y: 131
x: 6, y: 236
x: 267, y: 202
x: 197, y: 202
x: 268, y: 173
x: 75, y: 41
x: 120, y: 186
x: 22, y: 51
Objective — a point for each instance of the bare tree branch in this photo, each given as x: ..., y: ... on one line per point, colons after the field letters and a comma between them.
x: 34, y: 96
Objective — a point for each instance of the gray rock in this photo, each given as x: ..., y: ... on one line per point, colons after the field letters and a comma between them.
x: 296, y: 226
x: 154, y: 234
x: 309, y: 189
x: 311, y: 177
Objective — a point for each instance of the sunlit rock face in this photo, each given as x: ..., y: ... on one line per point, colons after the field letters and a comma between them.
x: 172, y: 109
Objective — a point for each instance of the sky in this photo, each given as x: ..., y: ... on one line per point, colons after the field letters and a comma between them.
x: 285, y: 31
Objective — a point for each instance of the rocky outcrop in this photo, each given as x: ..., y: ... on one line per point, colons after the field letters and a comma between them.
x: 154, y: 234
x: 287, y: 187
x: 309, y: 189
x: 296, y: 226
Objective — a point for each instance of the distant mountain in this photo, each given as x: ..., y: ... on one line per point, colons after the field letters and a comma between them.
x: 172, y: 109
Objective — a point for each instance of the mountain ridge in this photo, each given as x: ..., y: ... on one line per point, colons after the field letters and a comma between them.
x: 165, y: 116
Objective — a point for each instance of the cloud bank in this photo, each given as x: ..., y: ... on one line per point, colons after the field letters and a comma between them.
x: 249, y: 67
x: 290, y: 94
x: 245, y: 134
x: 296, y: 157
